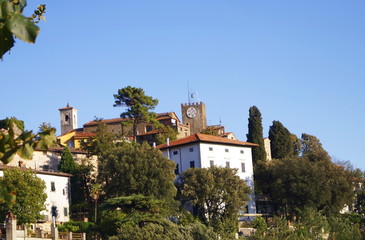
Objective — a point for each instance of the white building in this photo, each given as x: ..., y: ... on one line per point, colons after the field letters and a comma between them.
x: 58, y: 195
x: 203, y: 151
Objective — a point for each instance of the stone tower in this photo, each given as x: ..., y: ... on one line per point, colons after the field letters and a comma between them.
x: 68, y: 116
x: 194, y: 115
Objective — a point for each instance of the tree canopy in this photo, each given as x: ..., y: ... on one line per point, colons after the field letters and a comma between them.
x: 138, y: 106
x: 133, y: 168
x: 255, y: 134
x: 217, y: 194
x: 30, y: 195
x: 296, y: 183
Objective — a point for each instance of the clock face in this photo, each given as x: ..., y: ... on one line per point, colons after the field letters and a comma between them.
x: 192, y: 112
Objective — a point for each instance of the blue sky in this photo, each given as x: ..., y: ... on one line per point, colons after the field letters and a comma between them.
x: 300, y: 62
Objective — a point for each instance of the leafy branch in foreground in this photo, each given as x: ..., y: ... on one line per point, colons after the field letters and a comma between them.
x: 15, y: 140
x: 13, y: 24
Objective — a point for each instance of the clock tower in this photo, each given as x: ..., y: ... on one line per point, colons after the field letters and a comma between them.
x: 194, y: 115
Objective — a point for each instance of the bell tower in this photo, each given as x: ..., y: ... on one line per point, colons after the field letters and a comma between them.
x: 68, y: 117
x: 194, y: 115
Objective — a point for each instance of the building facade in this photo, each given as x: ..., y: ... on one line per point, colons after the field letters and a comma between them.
x: 204, y: 151
x: 58, y: 190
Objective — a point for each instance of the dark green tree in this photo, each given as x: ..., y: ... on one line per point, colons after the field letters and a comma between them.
x: 294, y: 184
x: 138, y: 106
x: 30, y: 195
x: 311, y: 148
x: 255, y: 134
x: 218, y: 194
x: 133, y: 168
x: 281, y: 141
x: 67, y: 162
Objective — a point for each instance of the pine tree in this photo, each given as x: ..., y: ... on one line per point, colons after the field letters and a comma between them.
x: 255, y: 134
x: 281, y: 141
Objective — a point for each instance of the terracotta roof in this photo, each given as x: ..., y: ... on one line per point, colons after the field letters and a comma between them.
x: 3, y: 167
x: 148, y: 133
x: 160, y: 116
x: 65, y: 108
x: 60, y: 150
x: 113, y: 120
x: 199, y: 137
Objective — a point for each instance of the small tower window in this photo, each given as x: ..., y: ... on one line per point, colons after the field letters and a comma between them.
x: 67, y: 118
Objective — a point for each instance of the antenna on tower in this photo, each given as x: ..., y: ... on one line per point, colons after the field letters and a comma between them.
x: 188, y: 93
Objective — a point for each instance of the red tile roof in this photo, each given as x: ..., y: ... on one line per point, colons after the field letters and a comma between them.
x: 65, y: 108
x: 113, y: 120
x: 160, y: 116
x: 199, y: 137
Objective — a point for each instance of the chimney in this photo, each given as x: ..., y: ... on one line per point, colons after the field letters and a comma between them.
x: 168, y: 141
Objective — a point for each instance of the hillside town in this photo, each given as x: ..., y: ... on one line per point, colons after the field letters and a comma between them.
x: 159, y: 169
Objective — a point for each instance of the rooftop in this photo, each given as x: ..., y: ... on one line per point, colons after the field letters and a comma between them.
x: 199, y: 137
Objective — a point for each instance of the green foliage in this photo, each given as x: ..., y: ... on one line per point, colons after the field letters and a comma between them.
x: 67, y: 162
x: 102, y: 141
x: 81, y: 182
x: 165, y: 132
x: 15, y: 140
x: 30, y: 195
x: 210, y: 130
x: 138, y: 106
x: 310, y: 225
x: 312, y: 148
x: 137, y: 203
x: 298, y: 183
x: 255, y: 134
x: 217, y: 193
x: 133, y: 168
x: 13, y: 24
x: 281, y: 141
x: 162, y: 230
x: 77, y: 226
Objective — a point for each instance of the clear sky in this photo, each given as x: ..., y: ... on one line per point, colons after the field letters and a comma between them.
x: 300, y: 62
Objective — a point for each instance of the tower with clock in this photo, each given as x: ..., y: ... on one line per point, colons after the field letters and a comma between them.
x: 194, y: 115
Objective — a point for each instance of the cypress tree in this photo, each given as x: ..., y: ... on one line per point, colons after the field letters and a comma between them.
x: 67, y: 163
x: 281, y: 141
x: 255, y: 134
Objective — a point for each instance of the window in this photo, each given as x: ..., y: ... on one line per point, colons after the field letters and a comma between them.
x: 211, y: 163
x: 192, y: 164
x: 191, y: 149
x: 64, y: 191
x: 228, y: 165
x: 67, y: 118
x: 210, y: 148
x: 53, y: 187
x: 71, y: 144
x: 65, y: 212
x: 243, y: 167
x: 177, y: 169
x: 175, y: 152
x: 242, y: 152
x: 148, y: 128
x: 226, y: 150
